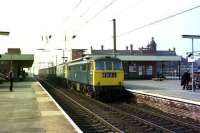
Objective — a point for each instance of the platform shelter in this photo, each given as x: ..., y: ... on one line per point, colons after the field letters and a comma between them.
x: 16, y: 61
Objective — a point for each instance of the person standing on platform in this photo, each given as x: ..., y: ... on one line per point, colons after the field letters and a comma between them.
x: 198, y: 81
x: 185, y: 79
x: 188, y: 80
x: 11, y: 78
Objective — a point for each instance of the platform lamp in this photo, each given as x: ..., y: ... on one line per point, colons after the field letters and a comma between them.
x: 65, y: 48
x: 192, y: 54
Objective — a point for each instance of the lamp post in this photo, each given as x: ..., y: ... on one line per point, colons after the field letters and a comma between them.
x: 65, y: 48
x: 114, y: 37
x: 63, y: 52
x: 192, y: 37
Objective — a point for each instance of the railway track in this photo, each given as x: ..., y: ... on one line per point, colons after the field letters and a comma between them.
x: 93, y: 116
x: 83, y: 117
x: 163, y: 121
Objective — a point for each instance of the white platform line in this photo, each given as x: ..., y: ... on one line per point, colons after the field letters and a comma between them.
x: 66, y: 115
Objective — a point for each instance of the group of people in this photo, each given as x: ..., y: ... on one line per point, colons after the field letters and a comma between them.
x: 186, y: 81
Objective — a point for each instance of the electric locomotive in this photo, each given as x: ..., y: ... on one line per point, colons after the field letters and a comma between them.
x: 96, y: 76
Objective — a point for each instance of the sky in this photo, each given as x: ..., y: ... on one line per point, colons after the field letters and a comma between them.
x: 91, y: 22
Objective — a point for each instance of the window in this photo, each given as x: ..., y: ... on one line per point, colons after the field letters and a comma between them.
x: 99, y: 65
x: 140, y: 71
x: 83, y: 68
x: 117, y: 65
x: 108, y: 65
x: 132, y: 68
x: 149, y: 70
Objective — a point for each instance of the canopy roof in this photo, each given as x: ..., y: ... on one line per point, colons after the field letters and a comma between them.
x: 25, y: 60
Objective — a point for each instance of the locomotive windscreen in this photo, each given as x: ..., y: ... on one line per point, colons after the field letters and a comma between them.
x: 108, y: 65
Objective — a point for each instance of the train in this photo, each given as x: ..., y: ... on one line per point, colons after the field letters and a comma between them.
x: 99, y: 77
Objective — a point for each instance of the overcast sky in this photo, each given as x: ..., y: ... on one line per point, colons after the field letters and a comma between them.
x: 91, y: 22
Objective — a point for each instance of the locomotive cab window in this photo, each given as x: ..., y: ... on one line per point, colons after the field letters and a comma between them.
x: 108, y: 65
x: 99, y: 65
x: 117, y: 65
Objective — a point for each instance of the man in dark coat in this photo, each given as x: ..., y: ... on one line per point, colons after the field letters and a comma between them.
x: 11, y: 78
x: 185, y: 79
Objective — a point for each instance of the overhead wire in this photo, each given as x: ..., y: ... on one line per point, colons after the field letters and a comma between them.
x: 88, y: 8
x: 151, y: 23
x: 100, y: 11
x: 104, y: 8
x: 131, y: 6
x: 107, y: 6
x: 158, y: 21
x: 135, y: 29
x: 77, y: 5
x: 73, y: 9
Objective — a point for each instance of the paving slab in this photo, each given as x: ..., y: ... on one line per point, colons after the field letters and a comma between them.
x: 29, y: 109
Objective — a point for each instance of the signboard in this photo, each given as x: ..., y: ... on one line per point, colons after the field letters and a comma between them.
x: 191, y: 59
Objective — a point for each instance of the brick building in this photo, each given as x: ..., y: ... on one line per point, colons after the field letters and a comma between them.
x: 144, y: 63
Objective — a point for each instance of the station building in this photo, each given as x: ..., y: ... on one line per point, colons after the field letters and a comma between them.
x: 146, y: 62
x: 16, y: 61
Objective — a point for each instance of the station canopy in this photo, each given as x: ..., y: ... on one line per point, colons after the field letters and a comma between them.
x: 14, y: 54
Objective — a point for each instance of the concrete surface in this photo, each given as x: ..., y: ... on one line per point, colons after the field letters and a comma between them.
x: 167, y: 88
x: 28, y: 109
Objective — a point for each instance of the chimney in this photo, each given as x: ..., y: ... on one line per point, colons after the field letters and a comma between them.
x: 127, y: 48
x: 91, y: 48
x: 131, y: 48
x: 102, y: 47
x: 174, y: 49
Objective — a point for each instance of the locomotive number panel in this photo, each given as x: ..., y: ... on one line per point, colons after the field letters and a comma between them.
x: 109, y: 75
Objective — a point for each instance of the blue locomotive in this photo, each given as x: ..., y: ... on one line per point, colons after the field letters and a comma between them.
x: 94, y: 76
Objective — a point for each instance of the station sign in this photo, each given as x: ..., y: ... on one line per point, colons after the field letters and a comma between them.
x: 191, y: 59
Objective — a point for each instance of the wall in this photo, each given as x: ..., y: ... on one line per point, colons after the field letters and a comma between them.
x: 184, y: 110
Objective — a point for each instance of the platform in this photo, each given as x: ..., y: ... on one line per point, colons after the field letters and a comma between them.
x: 167, y: 88
x: 166, y: 95
x: 30, y: 109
